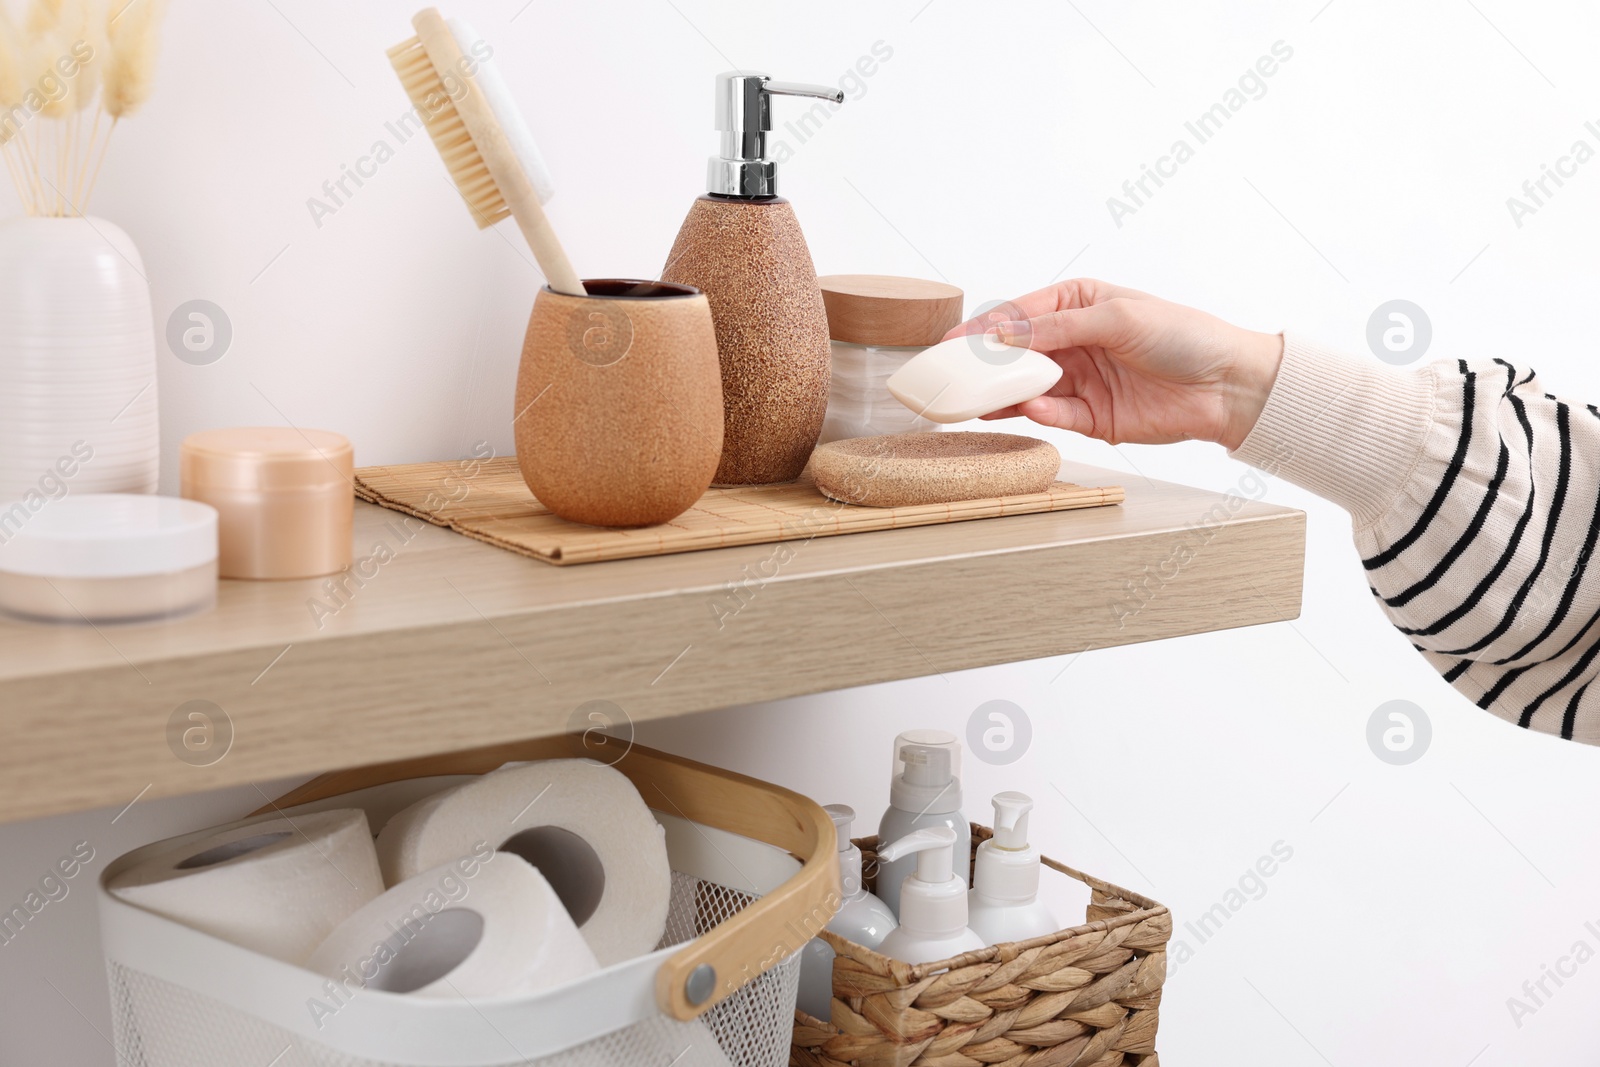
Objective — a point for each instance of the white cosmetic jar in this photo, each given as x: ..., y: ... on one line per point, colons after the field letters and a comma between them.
x: 107, y: 557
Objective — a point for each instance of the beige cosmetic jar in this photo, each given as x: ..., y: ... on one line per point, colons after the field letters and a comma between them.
x: 283, y: 496
x: 108, y: 557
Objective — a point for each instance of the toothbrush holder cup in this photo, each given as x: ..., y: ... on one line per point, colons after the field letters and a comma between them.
x: 618, y: 418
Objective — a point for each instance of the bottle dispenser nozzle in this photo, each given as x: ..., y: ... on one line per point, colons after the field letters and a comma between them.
x: 926, y: 765
x: 842, y: 815
x: 933, y: 845
x: 1011, y: 820
x: 744, y: 117
x: 927, y: 772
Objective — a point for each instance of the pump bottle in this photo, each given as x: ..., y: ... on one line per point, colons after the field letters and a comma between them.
x: 933, y: 902
x: 741, y: 245
x: 925, y: 791
x: 1004, y: 903
x: 862, y: 918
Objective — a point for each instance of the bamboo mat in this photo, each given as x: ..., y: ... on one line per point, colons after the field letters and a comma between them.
x: 489, y: 501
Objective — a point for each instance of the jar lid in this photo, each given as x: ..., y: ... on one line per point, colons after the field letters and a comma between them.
x: 108, y: 535
x: 267, y: 457
x: 881, y: 309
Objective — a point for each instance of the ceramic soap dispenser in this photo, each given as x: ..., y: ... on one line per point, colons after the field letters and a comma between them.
x: 741, y: 245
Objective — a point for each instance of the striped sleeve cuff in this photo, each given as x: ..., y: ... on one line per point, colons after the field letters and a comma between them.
x: 1350, y: 430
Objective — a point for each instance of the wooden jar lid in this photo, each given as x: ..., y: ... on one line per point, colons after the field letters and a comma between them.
x: 881, y: 309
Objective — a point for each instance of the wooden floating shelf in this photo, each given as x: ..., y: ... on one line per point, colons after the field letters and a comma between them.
x: 436, y: 643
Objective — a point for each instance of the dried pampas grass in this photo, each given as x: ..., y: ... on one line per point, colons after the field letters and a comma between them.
x: 10, y: 71
x: 69, y: 58
x: 44, y: 15
x: 86, y: 41
x: 11, y: 98
x: 134, y: 38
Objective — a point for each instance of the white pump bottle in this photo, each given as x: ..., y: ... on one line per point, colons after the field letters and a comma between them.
x: 1004, y: 903
x: 933, y: 901
x: 924, y: 791
x: 862, y: 918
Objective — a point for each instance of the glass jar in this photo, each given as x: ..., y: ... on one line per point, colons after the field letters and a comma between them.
x: 877, y: 322
x: 859, y: 405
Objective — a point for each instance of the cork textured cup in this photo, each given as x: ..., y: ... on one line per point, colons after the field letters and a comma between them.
x: 618, y: 417
x: 750, y: 258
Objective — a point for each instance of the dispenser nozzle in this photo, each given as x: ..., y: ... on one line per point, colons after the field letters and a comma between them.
x: 926, y: 764
x: 843, y: 815
x: 934, y: 846
x: 744, y: 116
x: 1011, y: 819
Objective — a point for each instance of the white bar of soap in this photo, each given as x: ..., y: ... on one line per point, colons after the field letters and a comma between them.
x: 965, y: 377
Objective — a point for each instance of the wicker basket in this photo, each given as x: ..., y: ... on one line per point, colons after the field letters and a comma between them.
x: 1084, y: 997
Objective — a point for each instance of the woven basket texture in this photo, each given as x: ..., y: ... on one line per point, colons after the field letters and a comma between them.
x: 1083, y: 997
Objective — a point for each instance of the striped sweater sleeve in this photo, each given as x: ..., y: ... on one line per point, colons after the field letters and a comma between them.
x: 1475, y: 501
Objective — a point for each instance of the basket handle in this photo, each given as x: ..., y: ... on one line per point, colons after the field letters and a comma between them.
x: 713, y: 966
x: 723, y: 960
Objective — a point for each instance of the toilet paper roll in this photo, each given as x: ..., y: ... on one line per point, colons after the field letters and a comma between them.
x: 581, y: 823
x: 278, y: 885
x: 483, y: 925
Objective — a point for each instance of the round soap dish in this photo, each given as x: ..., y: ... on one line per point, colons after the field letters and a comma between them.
x: 896, y: 470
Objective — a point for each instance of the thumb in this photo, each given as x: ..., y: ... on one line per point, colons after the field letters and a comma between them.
x: 1103, y: 325
x: 1062, y: 412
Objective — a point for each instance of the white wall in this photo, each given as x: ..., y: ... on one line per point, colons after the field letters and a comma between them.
x: 1376, y: 166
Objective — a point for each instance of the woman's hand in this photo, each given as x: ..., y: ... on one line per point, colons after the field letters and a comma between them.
x: 1136, y: 368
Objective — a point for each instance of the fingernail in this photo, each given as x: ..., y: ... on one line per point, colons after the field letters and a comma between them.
x: 1011, y: 332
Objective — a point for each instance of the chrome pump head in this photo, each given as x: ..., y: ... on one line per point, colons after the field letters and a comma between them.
x: 744, y: 117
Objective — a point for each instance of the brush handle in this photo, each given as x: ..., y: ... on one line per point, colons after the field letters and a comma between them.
x: 530, y: 216
x: 490, y: 139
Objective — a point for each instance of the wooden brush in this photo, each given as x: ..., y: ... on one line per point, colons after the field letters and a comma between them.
x: 481, y: 137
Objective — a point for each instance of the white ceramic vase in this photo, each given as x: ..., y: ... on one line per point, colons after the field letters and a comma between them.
x: 77, y: 362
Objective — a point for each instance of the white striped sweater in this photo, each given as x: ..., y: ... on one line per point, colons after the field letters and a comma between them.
x: 1475, y: 502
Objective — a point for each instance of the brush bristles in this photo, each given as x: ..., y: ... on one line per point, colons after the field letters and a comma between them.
x: 461, y: 157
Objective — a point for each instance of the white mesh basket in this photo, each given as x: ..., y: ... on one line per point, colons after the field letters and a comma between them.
x: 181, y: 998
